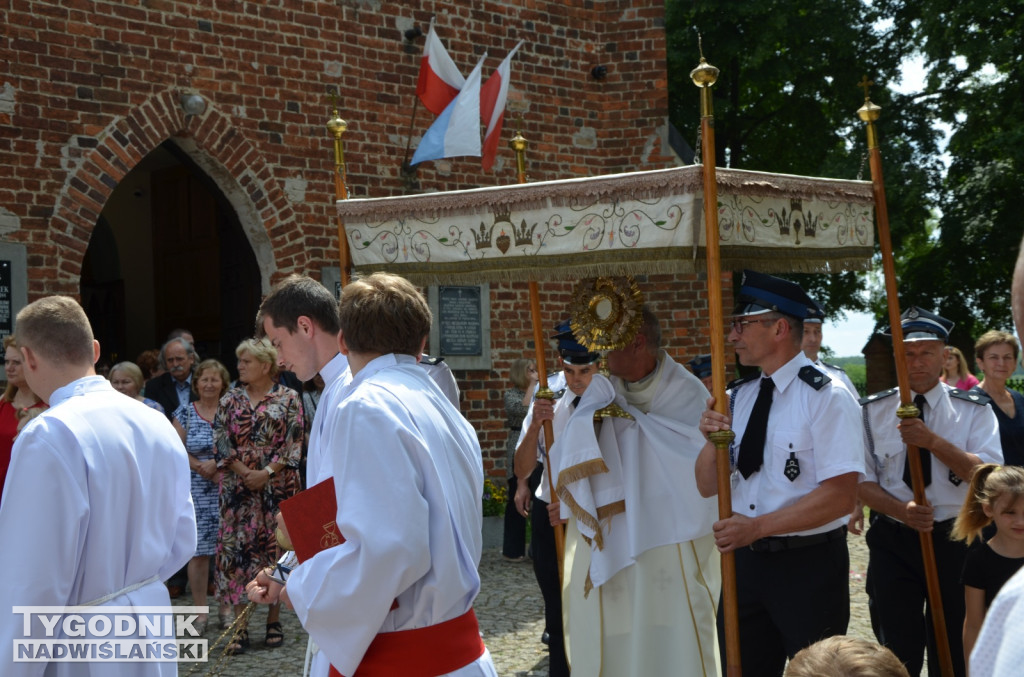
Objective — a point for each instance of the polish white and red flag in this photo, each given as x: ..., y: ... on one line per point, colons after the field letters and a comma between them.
x: 456, y: 131
x: 493, y: 95
x: 440, y: 80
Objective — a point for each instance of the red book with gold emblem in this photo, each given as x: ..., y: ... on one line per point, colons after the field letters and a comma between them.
x: 309, y: 517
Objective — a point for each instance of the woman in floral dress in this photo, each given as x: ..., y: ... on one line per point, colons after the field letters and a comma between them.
x: 194, y: 423
x: 258, y: 434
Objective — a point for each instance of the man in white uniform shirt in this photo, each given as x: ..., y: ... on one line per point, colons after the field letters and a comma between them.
x: 97, y: 503
x: 397, y: 595
x: 795, y: 472
x: 812, y: 346
x: 955, y: 433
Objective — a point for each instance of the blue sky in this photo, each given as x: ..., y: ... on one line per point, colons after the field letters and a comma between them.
x: 847, y: 337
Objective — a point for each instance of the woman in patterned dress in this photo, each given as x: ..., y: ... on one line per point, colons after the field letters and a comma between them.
x: 194, y: 423
x: 258, y: 435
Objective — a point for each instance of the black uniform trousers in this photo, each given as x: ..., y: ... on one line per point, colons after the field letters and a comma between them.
x: 545, y: 567
x: 514, y: 539
x: 788, y: 598
x: 898, y: 592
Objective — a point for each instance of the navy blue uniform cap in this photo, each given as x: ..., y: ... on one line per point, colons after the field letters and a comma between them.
x: 570, y: 349
x: 701, y: 366
x: 817, y: 314
x: 921, y: 325
x: 761, y: 293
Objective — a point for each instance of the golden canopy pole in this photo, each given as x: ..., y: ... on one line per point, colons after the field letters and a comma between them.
x: 869, y: 112
x: 704, y: 76
x: 336, y: 126
x: 518, y: 144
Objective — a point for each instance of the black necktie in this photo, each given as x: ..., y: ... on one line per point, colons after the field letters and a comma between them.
x: 576, y: 401
x: 925, y: 455
x: 752, y: 445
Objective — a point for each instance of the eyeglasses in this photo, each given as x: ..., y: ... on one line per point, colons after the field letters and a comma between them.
x: 738, y: 325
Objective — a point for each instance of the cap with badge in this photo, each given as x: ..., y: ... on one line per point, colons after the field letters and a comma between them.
x: 570, y: 349
x: 816, y: 315
x: 920, y: 325
x: 760, y: 293
x: 701, y: 366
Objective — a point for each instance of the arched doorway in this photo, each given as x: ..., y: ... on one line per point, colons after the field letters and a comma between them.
x: 168, y: 252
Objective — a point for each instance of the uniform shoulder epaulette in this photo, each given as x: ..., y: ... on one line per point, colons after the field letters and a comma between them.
x: 427, y: 359
x: 834, y: 366
x: 970, y: 396
x: 558, y: 395
x: 877, y: 396
x: 814, y: 378
x: 735, y: 383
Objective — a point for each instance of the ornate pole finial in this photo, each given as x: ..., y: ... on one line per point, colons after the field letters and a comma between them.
x: 518, y: 144
x: 704, y: 76
x: 336, y: 126
x: 869, y: 112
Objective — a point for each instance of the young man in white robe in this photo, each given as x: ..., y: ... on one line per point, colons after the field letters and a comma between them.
x: 642, y: 574
x: 300, y: 319
x: 408, y: 477
x: 97, y: 504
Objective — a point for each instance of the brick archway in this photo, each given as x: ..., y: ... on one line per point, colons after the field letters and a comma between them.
x: 211, y: 139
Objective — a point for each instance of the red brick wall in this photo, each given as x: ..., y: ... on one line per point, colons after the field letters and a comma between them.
x: 89, y: 87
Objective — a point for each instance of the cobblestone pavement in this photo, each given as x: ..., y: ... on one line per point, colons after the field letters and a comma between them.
x: 510, y: 611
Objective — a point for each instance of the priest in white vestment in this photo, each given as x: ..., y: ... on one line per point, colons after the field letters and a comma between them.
x: 97, y: 508
x: 642, y: 571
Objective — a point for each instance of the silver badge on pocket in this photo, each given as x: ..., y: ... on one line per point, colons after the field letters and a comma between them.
x: 792, y: 469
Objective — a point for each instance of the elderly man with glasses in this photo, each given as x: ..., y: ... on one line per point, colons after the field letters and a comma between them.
x: 796, y: 461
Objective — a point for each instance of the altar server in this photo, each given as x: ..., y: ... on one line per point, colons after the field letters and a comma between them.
x: 396, y: 597
x: 97, y: 509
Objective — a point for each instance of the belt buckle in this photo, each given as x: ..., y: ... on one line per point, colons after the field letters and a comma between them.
x: 768, y: 544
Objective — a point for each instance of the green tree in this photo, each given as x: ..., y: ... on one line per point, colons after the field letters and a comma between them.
x: 785, y: 102
x: 974, y: 56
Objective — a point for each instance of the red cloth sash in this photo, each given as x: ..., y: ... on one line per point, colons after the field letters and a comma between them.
x: 422, y: 652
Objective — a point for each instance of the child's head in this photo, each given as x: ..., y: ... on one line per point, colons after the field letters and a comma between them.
x: 843, y: 656
x: 993, y: 488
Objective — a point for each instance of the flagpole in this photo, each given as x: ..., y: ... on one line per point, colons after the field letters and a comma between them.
x: 518, y: 144
x: 336, y: 126
x: 408, y: 138
x: 869, y: 113
x: 704, y: 76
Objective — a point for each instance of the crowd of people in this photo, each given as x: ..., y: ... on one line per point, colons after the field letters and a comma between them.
x: 616, y: 473
x: 810, y: 461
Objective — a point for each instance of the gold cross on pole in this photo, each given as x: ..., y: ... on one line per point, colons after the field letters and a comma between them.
x: 865, y: 84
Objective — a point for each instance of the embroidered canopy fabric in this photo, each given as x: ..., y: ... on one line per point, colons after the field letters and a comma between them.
x: 637, y: 223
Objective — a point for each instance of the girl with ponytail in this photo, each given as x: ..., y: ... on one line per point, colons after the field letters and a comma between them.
x: 996, y: 497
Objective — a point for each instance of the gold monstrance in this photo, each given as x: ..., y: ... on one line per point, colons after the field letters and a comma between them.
x: 606, y: 315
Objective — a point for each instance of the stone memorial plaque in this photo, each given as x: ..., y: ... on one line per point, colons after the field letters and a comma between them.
x: 460, y: 321
x: 13, y: 284
x: 6, y: 303
x: 462, y: 325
